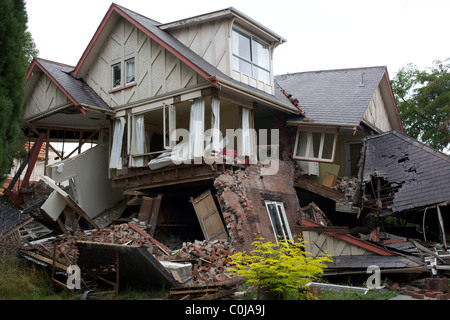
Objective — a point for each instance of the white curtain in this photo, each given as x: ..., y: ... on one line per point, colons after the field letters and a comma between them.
x: 246, y: 148
x: 169, y: 125
x: 215, y: 125
x: 197, y: 128
x: 137, y: 141
x: 115, y: 161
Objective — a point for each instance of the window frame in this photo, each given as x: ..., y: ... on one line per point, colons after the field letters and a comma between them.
x: 126, y: 71
x: 113, y: 73
x: 281, y: 215
x: 309, y: 132
x: 253, y: 64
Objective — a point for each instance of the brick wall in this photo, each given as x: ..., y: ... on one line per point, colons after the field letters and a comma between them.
x: 242, y: 194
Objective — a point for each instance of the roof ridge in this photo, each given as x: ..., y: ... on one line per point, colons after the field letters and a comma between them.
x: 54, y: 62
x: 137, y: 13
x: 331, y: 70
x: 413, y: 141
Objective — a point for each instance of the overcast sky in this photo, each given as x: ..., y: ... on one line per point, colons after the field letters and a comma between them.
x: 320, y: 34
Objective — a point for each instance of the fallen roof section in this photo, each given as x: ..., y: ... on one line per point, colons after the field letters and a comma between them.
x: 420, y: 173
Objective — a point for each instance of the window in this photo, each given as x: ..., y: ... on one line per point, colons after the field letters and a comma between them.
x: 251, y: 56
x: 129, y: 71
x: 116, y: 75
x: 315, y: 145
x: 278, y: 219
x: 129, y: 74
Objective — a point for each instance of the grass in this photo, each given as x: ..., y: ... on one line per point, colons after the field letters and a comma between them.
x: 355, y: 295
x: 20, y: 280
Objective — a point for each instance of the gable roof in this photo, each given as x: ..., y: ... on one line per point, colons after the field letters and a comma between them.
x: 334, y: 97
x: 76, y: 90
x: 421, y: 172
x: 233, y: 14
x: 152, y: 28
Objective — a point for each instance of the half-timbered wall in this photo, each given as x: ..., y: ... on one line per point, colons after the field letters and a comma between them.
x: 157, y: 72
x: 46, y: 96
x: 319, y: 243
x: 211, y: 41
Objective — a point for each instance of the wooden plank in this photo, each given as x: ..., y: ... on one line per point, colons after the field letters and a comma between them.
x: 208, y: 217
x: 145, y: 209
x: 154, y: 214
x: 319, y: 189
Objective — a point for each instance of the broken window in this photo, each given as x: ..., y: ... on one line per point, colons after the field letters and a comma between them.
x: 278, y: 219
x: 315, y: 145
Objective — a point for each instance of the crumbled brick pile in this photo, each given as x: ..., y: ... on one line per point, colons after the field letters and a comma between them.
x: 210, y: 260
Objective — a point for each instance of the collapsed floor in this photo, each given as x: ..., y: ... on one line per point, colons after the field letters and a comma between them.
x: 176, y: 248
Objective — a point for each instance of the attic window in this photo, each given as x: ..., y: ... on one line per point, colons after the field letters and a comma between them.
x: 129, y: 71
x: 116, y: 75
x: 251, y: 56
x: 315, y: 145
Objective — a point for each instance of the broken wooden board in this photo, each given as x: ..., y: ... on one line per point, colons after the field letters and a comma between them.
x: 58, y: 200
x: 208, y: 216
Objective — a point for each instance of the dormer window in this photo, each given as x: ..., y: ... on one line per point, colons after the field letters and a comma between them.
x: 251, y: 56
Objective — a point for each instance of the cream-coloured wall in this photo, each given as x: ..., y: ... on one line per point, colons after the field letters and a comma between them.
x: 157, y: 71
x: 210, y: 40
x: 376, y: 113
x: 45, y: 97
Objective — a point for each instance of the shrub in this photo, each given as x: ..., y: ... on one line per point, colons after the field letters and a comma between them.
x: 281, y: 269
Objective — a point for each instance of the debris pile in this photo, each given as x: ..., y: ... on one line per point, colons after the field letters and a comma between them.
x: 209, y: 259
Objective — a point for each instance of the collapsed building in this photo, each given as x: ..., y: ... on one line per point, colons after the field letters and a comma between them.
x: 196, y: 142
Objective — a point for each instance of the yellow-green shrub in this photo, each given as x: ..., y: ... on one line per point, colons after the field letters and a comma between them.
x: 280, y: 269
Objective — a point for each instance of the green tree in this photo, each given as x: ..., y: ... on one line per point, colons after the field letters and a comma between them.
x: 423, y: 98
x: 16, y: 48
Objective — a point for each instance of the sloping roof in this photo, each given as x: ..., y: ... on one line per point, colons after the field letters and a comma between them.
x: 422, y: 173
x: 78, y: 92
x: 210, y: 73
x: 333, y: 96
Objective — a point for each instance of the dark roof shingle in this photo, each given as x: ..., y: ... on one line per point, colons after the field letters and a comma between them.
x: 333, y: 96
x: 422, y: 172
x: 76, y: 88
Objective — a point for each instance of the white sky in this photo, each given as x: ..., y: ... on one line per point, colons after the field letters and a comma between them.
x: 321, y: 34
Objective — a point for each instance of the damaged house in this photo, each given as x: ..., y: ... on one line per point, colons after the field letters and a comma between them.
x: 197, y: 140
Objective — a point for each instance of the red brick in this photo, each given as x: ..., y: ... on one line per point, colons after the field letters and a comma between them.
x: 418, y: 296
x: 442, y: 296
